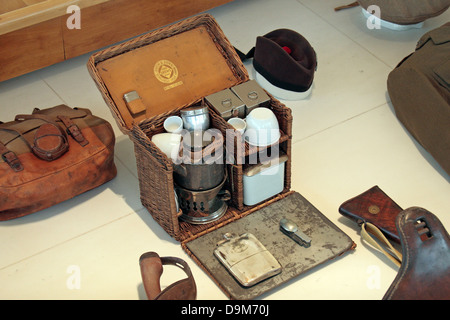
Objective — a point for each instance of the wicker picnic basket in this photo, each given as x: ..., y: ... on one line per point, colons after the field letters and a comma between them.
x: 155, y: 169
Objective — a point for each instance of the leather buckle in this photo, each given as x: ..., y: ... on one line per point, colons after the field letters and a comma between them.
x: 12, y: 160
x: 73, y: 130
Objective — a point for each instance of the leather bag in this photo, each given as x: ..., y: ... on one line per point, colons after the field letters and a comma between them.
x: 50, y: 156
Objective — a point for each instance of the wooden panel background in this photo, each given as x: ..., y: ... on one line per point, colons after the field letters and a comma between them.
x: 13, y: 5
x: 33, y: 33
x: 117, y: 20
x: 30, y: 49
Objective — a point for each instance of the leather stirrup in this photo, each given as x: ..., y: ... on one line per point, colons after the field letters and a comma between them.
x: 151, y: 270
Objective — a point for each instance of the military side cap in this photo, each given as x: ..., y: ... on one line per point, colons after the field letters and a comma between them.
x: 285, y: 64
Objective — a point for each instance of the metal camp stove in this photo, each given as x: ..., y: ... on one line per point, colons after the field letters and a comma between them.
x: 202, y: 207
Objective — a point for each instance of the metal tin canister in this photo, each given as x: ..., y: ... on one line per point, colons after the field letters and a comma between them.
x: 195, y: 118
x: 252, y: 94
x: 264, y: 180
x: 227, y: 104
x: 202, y: 166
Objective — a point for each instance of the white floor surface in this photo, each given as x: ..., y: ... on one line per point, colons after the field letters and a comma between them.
x: 346, y: 139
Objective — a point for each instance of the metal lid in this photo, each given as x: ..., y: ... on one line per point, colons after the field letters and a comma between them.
x: 193, y: 111
x: 251, y: 93
x: 131, y: 96
x: 225, y: 102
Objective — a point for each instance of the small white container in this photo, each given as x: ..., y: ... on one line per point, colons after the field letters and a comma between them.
x: 173, y: 124
x: 263, y: 128
x: 264, y: 180
x: 169, y: 143
x: 238, y: 124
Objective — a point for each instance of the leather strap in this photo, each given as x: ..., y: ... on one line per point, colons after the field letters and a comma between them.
x: 370, y: 233
x: 43, y: 145
x: 23, y: 117
x: 245, y: 56
x: 151, y: 270
x: 49, y: 142
x: 74, y: 130
x: 347, y: 6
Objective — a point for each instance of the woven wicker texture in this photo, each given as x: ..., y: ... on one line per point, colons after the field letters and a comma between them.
x: 155, y: 169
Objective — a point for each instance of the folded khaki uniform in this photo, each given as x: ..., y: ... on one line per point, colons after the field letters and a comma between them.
x: 419, y: 88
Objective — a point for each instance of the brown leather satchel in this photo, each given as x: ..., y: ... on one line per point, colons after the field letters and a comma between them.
x: 50, y: 156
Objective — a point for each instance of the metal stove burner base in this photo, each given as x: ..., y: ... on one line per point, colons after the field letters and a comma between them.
x: 202, y: 207
x: 208, y: 219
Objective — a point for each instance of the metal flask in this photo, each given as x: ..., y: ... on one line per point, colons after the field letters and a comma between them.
x: 201, y: 166
x: 247, y: 259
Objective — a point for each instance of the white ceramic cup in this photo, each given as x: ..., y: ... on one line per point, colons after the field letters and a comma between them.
x: 262, y: 127
x: 169, y: 143
x: 238, y: 124
x: 173, y: 124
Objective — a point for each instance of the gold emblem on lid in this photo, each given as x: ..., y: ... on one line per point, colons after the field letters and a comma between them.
x: 165, y: 71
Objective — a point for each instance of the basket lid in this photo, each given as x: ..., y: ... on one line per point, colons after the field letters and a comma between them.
x: 166, y: 69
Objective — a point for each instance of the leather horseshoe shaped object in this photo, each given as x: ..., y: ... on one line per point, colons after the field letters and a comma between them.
x: 151, y: 270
